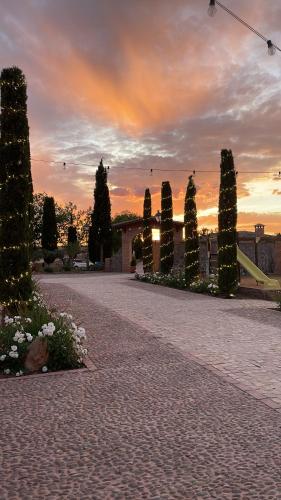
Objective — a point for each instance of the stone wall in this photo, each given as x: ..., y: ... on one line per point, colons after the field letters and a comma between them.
x: 114, y: 264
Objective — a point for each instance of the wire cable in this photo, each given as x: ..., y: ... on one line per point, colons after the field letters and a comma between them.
x: 151, y: 170
x: 247, y: 25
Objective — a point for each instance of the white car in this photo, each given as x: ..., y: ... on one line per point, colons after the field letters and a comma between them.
x: 79, y: 264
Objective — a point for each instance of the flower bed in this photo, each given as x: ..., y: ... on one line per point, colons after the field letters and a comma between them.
x: 53, y: 338
x: 177, y: 280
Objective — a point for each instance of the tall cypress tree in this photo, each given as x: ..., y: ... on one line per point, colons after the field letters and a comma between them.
x: 49, y: 229
x: 147, y: 252
x: 191, y: 256
x: 16, y: 192
x: 227, y: 236
x: 166, y: 229
x: 100, y: 234
x: 71, y: 232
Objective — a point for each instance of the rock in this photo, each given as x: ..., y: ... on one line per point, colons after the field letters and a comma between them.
x: 37, y: 355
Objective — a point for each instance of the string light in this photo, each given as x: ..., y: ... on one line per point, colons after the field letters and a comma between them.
x: 212, y: 11
x: 13, y: 280
x: 15, y: 247
x: 147, y: 234
x: 16, y: 301
x: 173, y: 170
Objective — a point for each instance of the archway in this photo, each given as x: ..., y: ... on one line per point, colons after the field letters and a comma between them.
x: 130, y: 229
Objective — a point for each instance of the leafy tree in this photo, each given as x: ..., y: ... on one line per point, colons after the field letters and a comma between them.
x: 100, y: 235
x: 191, y: 256
x: 166, y: 229
x: 49, y: 230
x: 147, y: 234
x: 227, y: 236
x: 15, y: 192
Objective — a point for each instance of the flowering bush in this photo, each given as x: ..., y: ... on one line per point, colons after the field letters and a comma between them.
x: 176, y: 279
x: 64, y: 339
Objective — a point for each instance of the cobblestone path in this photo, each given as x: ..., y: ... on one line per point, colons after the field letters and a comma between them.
x: 148, y: 423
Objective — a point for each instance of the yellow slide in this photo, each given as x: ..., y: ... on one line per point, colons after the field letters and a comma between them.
x: 255, y: 272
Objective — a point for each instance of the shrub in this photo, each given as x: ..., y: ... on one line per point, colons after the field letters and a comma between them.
x: 64, y: 339
x: 176, y: 279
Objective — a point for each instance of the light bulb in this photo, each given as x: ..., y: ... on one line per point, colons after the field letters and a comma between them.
x: 212, y: 8
x: 271, y: 48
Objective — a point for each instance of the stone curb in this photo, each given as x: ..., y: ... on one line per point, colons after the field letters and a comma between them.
x: 90, y: 367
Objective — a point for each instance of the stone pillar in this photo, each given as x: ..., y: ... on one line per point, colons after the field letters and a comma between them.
x: 156, y: 255
x: 126, y: 251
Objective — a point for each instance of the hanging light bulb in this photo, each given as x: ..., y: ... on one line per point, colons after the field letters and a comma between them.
x: 212, y: 8
x: 271, y: 48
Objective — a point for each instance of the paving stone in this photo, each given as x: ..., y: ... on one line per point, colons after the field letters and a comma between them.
x: 149, y: 422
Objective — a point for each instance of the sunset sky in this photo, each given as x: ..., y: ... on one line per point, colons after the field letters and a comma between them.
x: 150, y: 84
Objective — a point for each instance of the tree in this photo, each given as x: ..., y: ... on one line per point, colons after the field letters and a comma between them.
x: 64, y: 215
x: 191, y: 256
x: 15, y: 192
x: 71, y: 232
x: 166, y: 229
x: 49, y: 230
x: 227, y: 235
x: 147, y: 251
x: 100, y: 235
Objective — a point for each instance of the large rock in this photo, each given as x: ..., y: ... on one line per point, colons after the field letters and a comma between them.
x: 37, y: 355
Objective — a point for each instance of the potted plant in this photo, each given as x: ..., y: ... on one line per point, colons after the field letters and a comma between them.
x: 133, y: 264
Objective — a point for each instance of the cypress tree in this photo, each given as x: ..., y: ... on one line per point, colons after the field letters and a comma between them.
x: 71, y: 235
x: 227, y: 236
x: 16, y: 192
x: 71, y: 232
x: 147, y: 252
x: 166, y: 229
x: 191, y: 256
x: 100, y: 234
x: 49, y: 230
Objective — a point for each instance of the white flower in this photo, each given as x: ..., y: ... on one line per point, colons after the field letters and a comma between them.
x: 21, y: 340
x: 13, y: 354
x: 28, y: 320
x: 3, y: 357
x: 29, y: 337
x: 8, y: 321
x: 40, y: 334
x: 81, y: 332
x: 7, y: 371
x: 18, y: 374
x: 44, y: 369
x: 14, y: 347
x: 18, y: 337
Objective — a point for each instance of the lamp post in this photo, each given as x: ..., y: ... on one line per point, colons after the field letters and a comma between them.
x: 158, y: 217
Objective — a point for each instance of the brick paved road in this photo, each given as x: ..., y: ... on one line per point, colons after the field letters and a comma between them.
x: 149, y: 423
x: 240, y: 338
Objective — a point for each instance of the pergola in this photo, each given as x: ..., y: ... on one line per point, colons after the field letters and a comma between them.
x: 131, y: 228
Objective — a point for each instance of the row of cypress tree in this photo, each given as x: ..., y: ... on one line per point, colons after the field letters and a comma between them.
x: 227, y: 235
